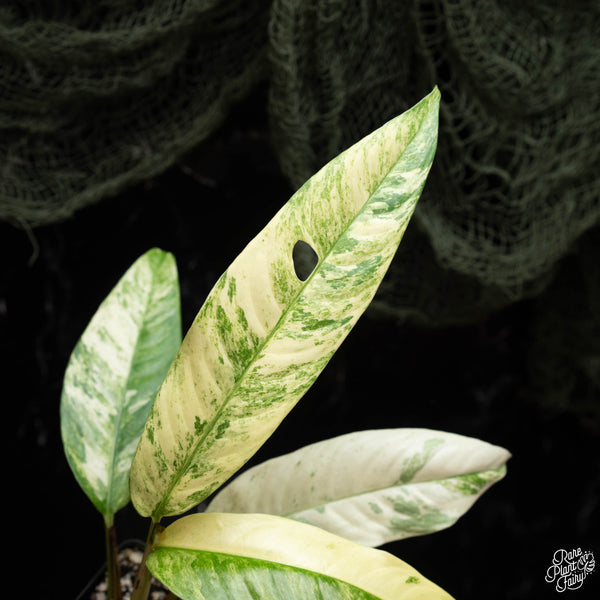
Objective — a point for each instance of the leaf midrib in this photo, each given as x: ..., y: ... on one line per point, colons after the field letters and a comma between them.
x: 123, y: 402
x: 157, y: 514
x: 391, y: 487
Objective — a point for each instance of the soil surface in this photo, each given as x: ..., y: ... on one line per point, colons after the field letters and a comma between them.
x: 129, y: 562
x: 469, y: 380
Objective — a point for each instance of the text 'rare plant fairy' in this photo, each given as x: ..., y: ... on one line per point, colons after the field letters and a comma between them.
x: 166, y: 423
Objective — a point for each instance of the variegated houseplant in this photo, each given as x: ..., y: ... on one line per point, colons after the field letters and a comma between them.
x: 165, y: 423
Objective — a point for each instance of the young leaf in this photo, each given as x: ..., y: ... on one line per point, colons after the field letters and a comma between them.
x: 113, y: 375
x: 263, y: 334
x: 371, y: 487
x: 223, y: 556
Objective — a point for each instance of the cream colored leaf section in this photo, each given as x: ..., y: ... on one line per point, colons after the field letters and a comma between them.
x: 373, y: 486
x: 277, y: 541
x: 263, y: 335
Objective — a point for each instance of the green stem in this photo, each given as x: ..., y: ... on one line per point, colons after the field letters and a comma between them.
x: 143, y: 579
x: 113, y: 569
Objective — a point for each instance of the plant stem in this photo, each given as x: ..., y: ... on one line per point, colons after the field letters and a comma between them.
x: 143, y: 579
x: 113, y: 569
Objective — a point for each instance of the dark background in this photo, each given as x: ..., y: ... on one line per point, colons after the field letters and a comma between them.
x: 470, y: 380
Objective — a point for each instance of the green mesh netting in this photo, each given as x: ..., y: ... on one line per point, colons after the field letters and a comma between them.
x: 95, y: 95
x: 515, y: 179
x: 515, y: 185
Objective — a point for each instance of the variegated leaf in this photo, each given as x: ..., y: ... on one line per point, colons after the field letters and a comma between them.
x: 223, y: 556
x: 113, y: 375
x: 371, y: 487
x: 263, y: 335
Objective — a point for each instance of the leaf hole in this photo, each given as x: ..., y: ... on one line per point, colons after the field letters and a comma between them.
x: 305, y: 259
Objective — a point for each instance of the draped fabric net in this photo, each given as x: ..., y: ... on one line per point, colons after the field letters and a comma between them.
x: 97, y: 95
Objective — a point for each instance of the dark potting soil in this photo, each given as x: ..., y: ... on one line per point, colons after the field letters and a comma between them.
x: 129, y: 562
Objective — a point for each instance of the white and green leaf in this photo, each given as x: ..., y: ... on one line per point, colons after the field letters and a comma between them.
x: 371, y: 487
x: 113, y: 375
x: 223, y: 556
x: 264, y: 334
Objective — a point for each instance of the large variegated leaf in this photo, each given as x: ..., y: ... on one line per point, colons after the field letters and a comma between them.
x: 223, y: 556
x: 371, y: 487
x: 113, y: 375
x: 263, y: 335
